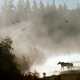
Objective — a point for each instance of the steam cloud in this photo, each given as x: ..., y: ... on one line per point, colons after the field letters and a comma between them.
x: 48, y: 29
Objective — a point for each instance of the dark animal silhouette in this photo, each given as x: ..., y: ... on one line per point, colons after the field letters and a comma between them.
x: 64, y: 64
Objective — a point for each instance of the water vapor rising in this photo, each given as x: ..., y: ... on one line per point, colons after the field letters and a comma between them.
x: 40, y: 32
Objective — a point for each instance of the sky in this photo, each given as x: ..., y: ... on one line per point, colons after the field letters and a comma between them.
x: 70, y: 3
x: 51, y: 67
x: 51, y: 62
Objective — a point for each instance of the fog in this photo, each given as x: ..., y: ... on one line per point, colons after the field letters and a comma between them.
x: 39, y: 32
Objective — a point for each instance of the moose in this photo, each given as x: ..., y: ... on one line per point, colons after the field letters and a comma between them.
x: 66, y: 64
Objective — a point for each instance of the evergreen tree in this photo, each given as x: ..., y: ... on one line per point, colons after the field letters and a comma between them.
x: 53, y: 2
x: 27, y: 5
x: 34, y: 5
x: 41, y: 5
x: 8, y: 66
x: 54, y: 5
x: 27, y: 9
x: 48, y: 5
x: 65, y: 6
x: 78, y: 5
x: 20, y: 11
x: 8, y: 12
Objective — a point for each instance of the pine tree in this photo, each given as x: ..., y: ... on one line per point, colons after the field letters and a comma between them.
x: 53, y: 2
x: 8, y: 12
x: 53, y: 5
x: 78, y: 4
x: 20, y: 11
x: 27, y: 9
x: 10, y: 4
x: 41, y: 5
x: 11, y: 13
x: 34, y: 5
x: 27, y: 5
x: 65, y: 6
x: 48, y: 5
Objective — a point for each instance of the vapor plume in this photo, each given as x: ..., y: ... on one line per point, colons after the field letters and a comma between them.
x: 37, y: 32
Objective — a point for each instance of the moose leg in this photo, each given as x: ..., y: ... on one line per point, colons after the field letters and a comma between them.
x: 62, y: 68
x: 68, y: 67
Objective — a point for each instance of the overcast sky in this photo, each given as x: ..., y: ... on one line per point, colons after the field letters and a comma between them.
x: 70, y: 3
x: 63, y: 36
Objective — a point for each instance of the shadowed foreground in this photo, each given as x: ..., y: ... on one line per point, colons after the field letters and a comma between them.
x: 9, y: 69
x: 65, y: 75
x: 8, y: 66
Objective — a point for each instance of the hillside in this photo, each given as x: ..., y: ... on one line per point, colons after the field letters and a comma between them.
x: 66, y: 75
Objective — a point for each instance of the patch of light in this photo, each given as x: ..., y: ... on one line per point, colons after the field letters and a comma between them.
x: 51, y: 67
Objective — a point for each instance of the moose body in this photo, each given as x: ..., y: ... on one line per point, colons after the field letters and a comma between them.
x: 68, y: 65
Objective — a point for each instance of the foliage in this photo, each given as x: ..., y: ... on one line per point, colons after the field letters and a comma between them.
x: 8, y: 66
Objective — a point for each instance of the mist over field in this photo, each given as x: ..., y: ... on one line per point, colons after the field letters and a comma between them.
x: 39, y: 32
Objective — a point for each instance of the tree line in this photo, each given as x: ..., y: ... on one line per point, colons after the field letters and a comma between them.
x: 15, y: 12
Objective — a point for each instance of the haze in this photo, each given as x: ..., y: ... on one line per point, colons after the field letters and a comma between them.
x: 42, y: 32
